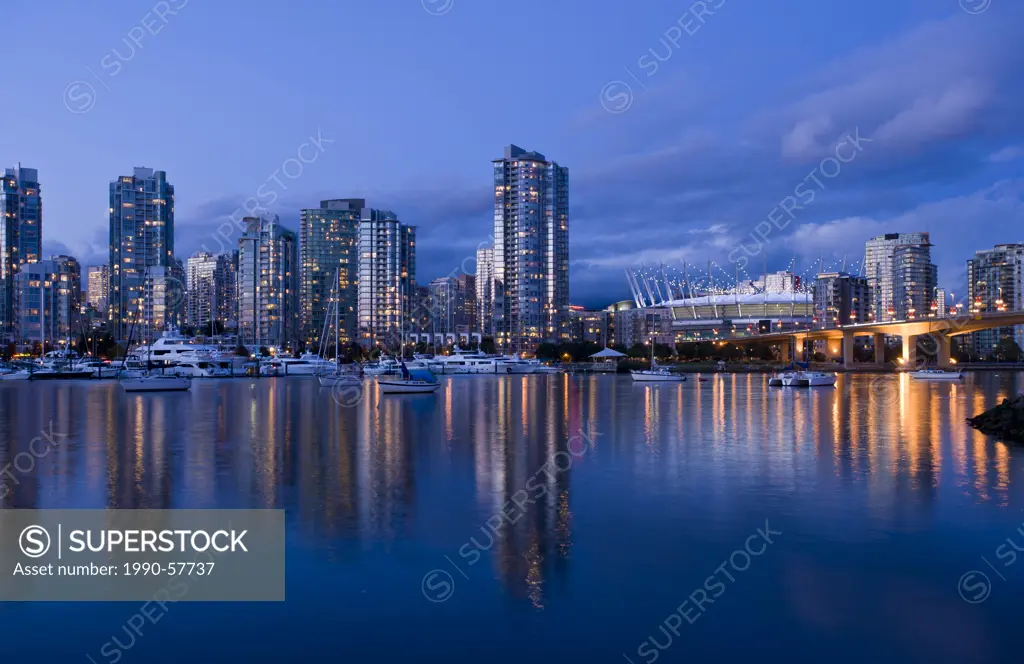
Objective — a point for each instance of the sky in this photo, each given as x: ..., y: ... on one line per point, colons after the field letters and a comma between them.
x: 684, y: 126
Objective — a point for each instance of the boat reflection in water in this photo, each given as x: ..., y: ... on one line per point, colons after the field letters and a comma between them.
x: 884, y: 495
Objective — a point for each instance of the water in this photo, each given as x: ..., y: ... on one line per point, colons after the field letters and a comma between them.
x: 883, y: 496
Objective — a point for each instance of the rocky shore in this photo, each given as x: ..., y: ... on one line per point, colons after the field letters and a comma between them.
x: 1005, y: 421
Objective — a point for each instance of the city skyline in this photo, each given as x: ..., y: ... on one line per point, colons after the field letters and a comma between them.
x: 686, y: 172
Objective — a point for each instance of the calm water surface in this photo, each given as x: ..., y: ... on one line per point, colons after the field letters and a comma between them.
x: 884, y: 498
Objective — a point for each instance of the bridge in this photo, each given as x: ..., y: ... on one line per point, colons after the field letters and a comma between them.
x: 839, y: 340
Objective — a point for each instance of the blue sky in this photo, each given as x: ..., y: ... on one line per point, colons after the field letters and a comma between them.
x: 744, y: 102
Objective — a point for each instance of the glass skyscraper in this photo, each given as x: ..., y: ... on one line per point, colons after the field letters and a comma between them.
x: 21, y: 238
x: 98, y: 287
x: 267, y: 278
x: 387, y: 278
x: 531, y: 250
x: 211, y: 290
x: 329, y: 238
x: 141, y: 239
x: 995, y: 282
x: 901, y: 276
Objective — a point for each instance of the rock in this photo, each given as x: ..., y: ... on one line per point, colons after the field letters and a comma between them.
x: 1005, y: 421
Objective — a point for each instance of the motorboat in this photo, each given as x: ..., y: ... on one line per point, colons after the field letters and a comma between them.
x: 165, y: 383
x: 541, y: 368
x: 383, y: 366
x: 198, y: 369
x: 656, y: 374
x: 809, y: 379
x: 418, y: 382
x: 22, y: 374
x: 96, y: 368
x: 820, y: 378
x: 309, y: 364
x: 516, y: 365
x: 935, y: 374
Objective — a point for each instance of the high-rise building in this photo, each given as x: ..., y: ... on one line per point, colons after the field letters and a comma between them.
x: 141, y: 239
x: 98, y: 287
x: 50, y: 301
x: 485, y: 291
x: 466, y: 284
x: 387, y: 277
x: 841, y: 299
x: 267, y: 280
x: 453, y: 304
x: 210, y: 280
x: 21, y: 237
x: 900, y: 273
x: 531, y: 249
x: 163, y: 300
x: 995, y: 282
x: 329, y: 238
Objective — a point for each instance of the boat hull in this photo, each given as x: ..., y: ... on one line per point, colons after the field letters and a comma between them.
x: 950, y: 377
x: 641, y: 377
x: 61, y: 375
x: 156, y: 384
x: 407, y: 386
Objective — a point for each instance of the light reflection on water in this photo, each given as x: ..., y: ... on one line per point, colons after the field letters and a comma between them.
x: 879, y: 482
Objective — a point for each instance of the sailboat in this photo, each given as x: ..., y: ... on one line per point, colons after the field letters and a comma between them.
x: 424, y: 382
x: 336, y: 374
x: 656, y: 374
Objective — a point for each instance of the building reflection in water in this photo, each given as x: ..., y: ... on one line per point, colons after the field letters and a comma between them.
x: 390, y: 469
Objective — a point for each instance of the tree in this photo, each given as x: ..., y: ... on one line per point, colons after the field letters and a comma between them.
x: 241, y: 350
x: 1007, y: 350
x: 487, y: 346
x: 638, y: 351
x: 547, y: 351
x: 663, y: 350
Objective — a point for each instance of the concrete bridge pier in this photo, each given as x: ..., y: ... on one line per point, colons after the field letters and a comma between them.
x: 785, y: 353
x: 910, y: 350
x: 879, y: 349
x: 848, y: 349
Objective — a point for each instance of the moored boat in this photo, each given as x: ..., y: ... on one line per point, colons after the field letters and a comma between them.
x: 935, y: 374
x: 419, y: 382
x: 656, y: 374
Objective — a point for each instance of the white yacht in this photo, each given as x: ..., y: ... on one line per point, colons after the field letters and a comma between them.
x: 97, y: 368
x: 172, y: 348
x: 519, y: 365
x: 198, y: 369
x: 309, y: 364
x: 935, y: 374
x: 474, y: 362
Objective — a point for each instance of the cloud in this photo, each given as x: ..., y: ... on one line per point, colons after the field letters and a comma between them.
x: 1006, y: 155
